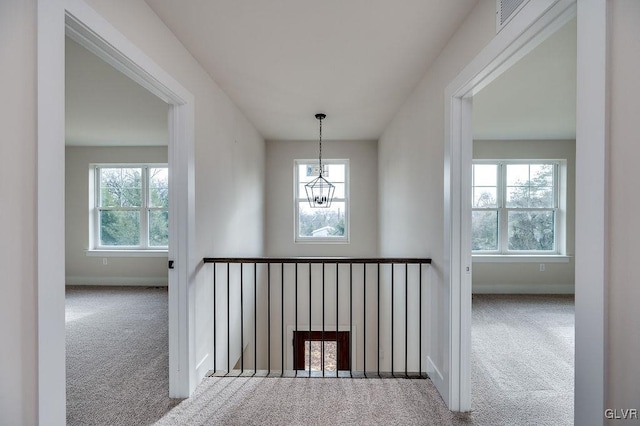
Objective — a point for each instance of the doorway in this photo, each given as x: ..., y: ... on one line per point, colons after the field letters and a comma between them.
x: 85, y: 26
x: 522, y: 233
x: 533, y: 23
x: 116, y: 235
x: 111, y: 47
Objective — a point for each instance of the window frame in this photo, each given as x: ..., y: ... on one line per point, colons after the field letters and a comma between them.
x: 559, y: 203
x: 297, y: 198
x: 343, y: 348
x: 145, y: 209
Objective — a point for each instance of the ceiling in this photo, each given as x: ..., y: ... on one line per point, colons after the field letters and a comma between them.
x: 535, y: 98
x: 103, y: 107
x: 282, y: 61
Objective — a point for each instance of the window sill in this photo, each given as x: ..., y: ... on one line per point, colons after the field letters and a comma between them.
x: 127, y: 253
x: 322, y: 241
x: 513, y: 258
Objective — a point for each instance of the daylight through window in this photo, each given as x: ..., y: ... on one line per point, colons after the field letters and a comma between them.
x: 318, y: 224
x: 131, y: 209
x: 515, y: 207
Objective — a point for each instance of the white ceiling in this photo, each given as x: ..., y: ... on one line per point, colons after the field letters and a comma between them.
x: 281, y: 61
x: 535, y: 98
x: 280, y: 64
x: 106, y: 108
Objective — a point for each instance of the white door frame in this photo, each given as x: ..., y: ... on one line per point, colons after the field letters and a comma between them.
x: 83, y: 24
x: 536, y: 21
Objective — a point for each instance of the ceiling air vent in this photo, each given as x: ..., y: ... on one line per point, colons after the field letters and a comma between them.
x: 507, y: 9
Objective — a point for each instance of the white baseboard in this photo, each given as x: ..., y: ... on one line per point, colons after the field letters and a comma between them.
x: 203, y: 367
x: 125, y: 281
x: 523, y: 289
x: 434, y: 374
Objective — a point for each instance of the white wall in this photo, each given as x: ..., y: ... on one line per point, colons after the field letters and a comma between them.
x: 18, y: 364
x: 80, y: 268
x: 363, y: 197
x: 229, y: 156
x: 526, y: 277
x: 280, y: 224
x: 411, y: 159
x: 104, y: 107
x: 623, y: 385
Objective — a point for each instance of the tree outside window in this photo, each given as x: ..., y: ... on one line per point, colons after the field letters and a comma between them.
x: 514, y: 207
x: 132, y: 206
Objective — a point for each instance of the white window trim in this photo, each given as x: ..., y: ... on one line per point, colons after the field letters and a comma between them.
x: 142, y: 250
x: 503, y: 254
x: 126, y: 253
x: 521, y: 258
x: 298, y: 198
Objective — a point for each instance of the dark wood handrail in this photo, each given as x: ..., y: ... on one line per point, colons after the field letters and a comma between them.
x: 372, y: 260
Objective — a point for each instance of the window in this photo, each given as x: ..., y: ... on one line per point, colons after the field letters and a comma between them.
x: 131, y: 207
x: 515, y: 207
x: 322, y: 224
x: 309, y: 348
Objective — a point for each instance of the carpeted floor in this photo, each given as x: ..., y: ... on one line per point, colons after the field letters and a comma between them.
x: 117, y: 362
x: 316, y: 401
x: 522, y: 374
x: 523, y: 359
x: 117, y: 355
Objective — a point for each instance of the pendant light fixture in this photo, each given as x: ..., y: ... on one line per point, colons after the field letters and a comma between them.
x: 320, y: 190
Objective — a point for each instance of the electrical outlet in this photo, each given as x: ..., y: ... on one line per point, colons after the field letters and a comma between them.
x: 105, y: 261
x: 542, y: 267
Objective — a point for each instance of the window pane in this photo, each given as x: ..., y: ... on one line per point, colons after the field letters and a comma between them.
x: 485, y: 174
x: 159, y: 228
x: 131, y: 197
x: 110, y: 187
x: 338, y: 193
x: 159, y: 187
x: 321, y: 222
x: 541, y: 197
x: 531, y: 230
x: 530, y: 185
x: 120, y: 187
x: 517, y: 174
x: 485, y: 180
x: 306, y: 173
x: 120, y: 228
x: 484, y: 197
x: 332, y: 172
x: 335, y: 172
x: 309, y: 171
x: 518, y: 196
x: 484, y: 230
x: 314, y: 348
x: 541, y: 174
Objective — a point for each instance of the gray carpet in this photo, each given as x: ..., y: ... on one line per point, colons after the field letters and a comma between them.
x: 522, y: 366
x: 117, y: 355
x: 523, y: 360
x: 117, y: 363
x: 315, y: 401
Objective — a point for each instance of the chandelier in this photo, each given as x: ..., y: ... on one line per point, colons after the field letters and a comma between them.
x: 320, y: 190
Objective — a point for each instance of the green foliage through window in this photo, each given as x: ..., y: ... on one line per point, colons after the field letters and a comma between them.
x: 132, y: 205
x: 518, y: 200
